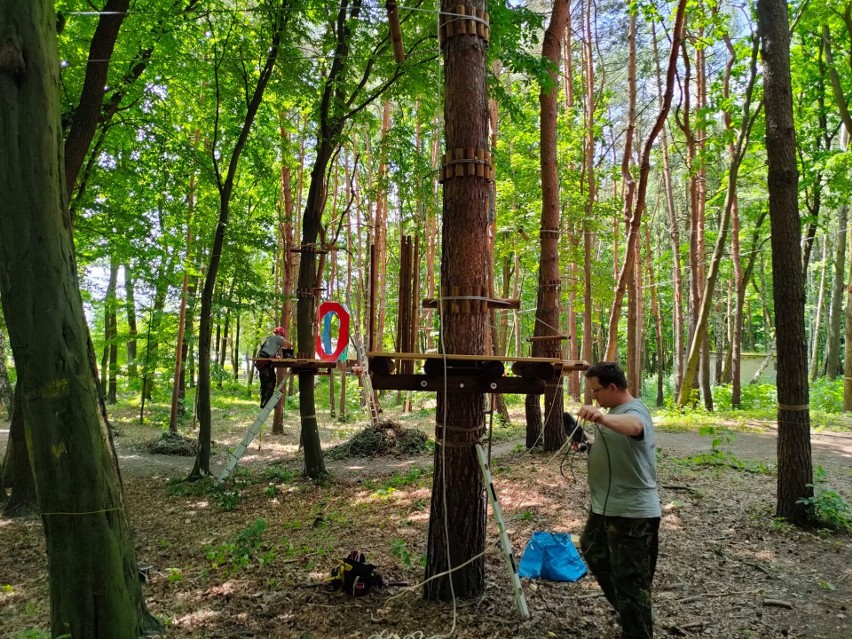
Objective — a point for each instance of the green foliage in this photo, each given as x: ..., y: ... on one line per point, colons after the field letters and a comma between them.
x: 386, y: 487
x: 245, y: 549
x: 399, y: 549
x: 226, y: 495
x: 718, y: 456
x: 752, y: 396
x: 827, y: 395
x: 827, y: 508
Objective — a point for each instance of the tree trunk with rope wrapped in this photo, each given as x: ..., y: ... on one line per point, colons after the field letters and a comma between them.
x: 457, y: 516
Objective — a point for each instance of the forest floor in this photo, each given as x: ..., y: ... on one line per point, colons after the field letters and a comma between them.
x: 249, y: 560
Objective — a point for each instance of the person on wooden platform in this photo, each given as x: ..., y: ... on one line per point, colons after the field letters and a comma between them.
x: 621, y: 537
x: 276, y: 345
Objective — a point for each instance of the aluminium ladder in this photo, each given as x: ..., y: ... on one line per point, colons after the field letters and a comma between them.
x: 364, y: 364
x: 252, y: 432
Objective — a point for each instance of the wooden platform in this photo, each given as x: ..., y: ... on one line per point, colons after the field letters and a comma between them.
x: 568, y: 365
x: 279, y: 362
x: 469, y: 373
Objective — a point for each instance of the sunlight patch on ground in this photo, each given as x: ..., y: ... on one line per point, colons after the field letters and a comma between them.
x: 196, y: 619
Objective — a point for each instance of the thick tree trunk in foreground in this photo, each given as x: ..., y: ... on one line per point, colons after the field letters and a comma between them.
x: 93, y: 594
x: 795, y: 471
x: 457, y: 516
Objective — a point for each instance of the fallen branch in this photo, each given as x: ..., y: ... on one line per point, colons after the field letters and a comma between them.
x: 780, y: 603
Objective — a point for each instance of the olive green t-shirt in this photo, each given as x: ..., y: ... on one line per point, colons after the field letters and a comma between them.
x: 631, y: 463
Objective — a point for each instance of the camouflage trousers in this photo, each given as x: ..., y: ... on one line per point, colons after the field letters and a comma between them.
x: 267, y: 384
x: 621, y: 553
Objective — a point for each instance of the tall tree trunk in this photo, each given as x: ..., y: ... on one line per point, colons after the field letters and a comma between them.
x: 820, y: 303
x: 225, y: 185
x: 457, y: 515
x: 628, y: 194
x: 589, y: 205
x: 110, y: 312
x: 90, y: 105
x: 658, y: 317
x: 180, y: 353
x: 644, y: 169
x: 93, y: 594
x: 699, y: 336
x: 380, y: 232
x: 833, y: 356
x: 546, y: 333
x: 674, y: 230
x: 132, y: 329
x: 795, y: 471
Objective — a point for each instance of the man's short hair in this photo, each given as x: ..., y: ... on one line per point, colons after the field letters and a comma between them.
x: 608, y: 373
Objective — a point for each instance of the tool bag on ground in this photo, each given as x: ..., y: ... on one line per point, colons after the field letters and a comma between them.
x: 354, y: 576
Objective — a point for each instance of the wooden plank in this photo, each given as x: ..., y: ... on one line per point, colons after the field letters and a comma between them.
x: 459, y: 384
x: 278, y: 362
x: 482, y: 358
x: 498, y: 303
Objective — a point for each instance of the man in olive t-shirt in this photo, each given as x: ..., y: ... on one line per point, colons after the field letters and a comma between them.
x: 621, y: 537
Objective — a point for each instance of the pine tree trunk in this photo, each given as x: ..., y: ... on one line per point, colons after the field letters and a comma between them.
x: 588, y: 209
x: 549, y: 289
x: 674, y: 233
x: 795, y: 471
x: 457, y: 514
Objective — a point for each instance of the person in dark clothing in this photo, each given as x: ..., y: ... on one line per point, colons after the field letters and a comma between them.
x: 621, y: 537
x: 276, y: 345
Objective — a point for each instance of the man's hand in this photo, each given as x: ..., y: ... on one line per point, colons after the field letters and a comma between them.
x: 590, y: 414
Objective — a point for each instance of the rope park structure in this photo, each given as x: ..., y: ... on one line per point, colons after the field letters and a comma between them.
x: 460, y: 373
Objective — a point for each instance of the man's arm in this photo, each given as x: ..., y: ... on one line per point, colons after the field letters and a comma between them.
x: 627, y: 424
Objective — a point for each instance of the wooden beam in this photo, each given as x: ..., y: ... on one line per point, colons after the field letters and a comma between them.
x: 395, y: 31
x: 459, y: 384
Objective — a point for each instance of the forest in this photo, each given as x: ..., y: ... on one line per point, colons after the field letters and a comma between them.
x: 662, y: 184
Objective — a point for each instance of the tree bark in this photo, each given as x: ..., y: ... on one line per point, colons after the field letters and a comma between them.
x: 457, y: 516
x: 589, y: 204
x: 795, y: 471
x: 85, y: 118
x: 549, y: 289
x: 93, y: 594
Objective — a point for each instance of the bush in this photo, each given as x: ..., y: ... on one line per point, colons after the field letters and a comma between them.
x: 827, y: 507
x: 827, y: 395
x: 752, y: 397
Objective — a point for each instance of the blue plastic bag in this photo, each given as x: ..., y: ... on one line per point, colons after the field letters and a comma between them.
x: 552, y: 556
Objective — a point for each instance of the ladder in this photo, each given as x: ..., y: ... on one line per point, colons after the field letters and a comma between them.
x: 503, y: 539
x: 367, y: 384
x: 252, y: 432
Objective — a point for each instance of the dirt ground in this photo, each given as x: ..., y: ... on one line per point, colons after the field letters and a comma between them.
x: 726, y: 568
